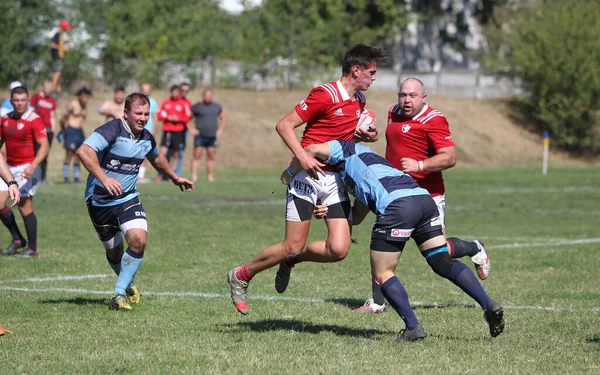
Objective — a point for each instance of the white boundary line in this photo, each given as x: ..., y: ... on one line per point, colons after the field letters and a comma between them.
x: 56, y: 278
x: 550, y: 242
x: 275, y: 298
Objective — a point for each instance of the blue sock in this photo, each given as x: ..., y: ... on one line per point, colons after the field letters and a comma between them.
x: 76, y: 171
x: 397, y: 297
x: 66, y: 171
x: 179, y: 162
x: 463, y: 277
x: 115, y: 266
x: 130, y: 263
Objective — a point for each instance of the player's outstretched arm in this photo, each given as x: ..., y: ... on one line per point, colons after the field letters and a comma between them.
x: 160, y: 163
x: 89, y: 159
x: 318, y: 152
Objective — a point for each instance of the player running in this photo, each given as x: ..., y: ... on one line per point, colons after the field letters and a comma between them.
x: 399, y: 202
x: 330, y: 112
x: 23, y: 132
x: 113, y: 155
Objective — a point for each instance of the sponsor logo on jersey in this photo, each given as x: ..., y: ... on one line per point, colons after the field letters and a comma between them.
x: 401, y: 233
x: 303, y: 105
x: 405, y: 128
x: 338, y: 112
x: 449, y: 138
x: 113, y: 164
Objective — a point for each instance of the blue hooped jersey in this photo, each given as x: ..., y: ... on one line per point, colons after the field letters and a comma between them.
x: 373, y: 180
x: 120, y: 154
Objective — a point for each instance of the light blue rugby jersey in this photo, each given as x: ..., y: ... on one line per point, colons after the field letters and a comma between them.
x: 120, y: 155
x: 373, y: 180
x: 153, y: 109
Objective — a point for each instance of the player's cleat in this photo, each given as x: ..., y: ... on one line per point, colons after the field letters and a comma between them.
x: 370, y: 307
x: 133, y: 294
x: 282, y: 278
x: 415, y: 334
x: 14, y: 247
x: 239, y: 292
x: 4, y: 331
x: 481, y: 261
x: 494, y: 315
x: 27, y: 254
x: 119, y: 302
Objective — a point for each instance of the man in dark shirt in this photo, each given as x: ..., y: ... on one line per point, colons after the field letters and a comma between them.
x: 58, y: 50
x: 210, y: 122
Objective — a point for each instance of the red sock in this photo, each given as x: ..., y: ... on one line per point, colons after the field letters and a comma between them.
x: 242, y: 274
x: 450, y: 248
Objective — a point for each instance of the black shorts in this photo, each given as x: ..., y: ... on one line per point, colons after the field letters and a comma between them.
x: 73, y: 138
x: 108, y: 221
x: 173, y: 140
x: 405, y: 218
x: 200, y: 141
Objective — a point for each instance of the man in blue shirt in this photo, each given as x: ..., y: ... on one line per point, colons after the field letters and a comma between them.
x: 113, y: 155
x: 403, y: 210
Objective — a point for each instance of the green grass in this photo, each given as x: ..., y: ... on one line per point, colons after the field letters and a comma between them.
x: 528, y: 222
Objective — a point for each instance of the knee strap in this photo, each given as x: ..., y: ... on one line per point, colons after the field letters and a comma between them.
x: 439, y: 260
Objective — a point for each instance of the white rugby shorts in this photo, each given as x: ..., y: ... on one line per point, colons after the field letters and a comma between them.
x: 440, y: 202
x: 26, y: 187
x: 327, y: 190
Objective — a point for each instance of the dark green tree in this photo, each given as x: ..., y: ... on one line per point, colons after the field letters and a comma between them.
x: 25, y: 47
x: 553, y: 49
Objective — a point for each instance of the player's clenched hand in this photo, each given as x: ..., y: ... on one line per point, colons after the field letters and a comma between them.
x: 320, y: 211
x: 184, y: 184
x: 15, y: 195
x: 409, y: 165
x: 367, y: 135
x: 286, y: 177
x: 28, y: 172
x: 312, y: 166
x: 113, y: 186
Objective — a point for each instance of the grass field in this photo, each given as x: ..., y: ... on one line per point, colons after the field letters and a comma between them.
x: 541, y: 232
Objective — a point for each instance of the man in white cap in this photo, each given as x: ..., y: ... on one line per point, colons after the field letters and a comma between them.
x: 6, y: 104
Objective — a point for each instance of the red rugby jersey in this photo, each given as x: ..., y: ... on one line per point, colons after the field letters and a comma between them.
x: 44, y: 106
x: 330, y: 114
x: 418, y: 138
x: 20, y: 136
x: 178, y: 107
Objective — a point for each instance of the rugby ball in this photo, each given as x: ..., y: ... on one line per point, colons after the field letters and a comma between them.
x: 366, y: 120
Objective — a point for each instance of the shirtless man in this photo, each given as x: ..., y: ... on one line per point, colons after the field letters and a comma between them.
x: 71, y: 126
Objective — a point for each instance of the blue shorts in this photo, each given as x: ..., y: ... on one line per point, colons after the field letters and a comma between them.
x: 200, y: 141
x: 73, y: 138
x: 108, y: 221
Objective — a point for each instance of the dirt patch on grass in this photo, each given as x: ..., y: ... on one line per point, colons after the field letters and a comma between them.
x: 483, y: 130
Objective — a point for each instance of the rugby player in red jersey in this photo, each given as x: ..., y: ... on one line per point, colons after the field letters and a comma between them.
x: 44, y: 105
x: 23, y: 131
x: 419, y: 143
x: 330, y: 112
x: 174, y: 112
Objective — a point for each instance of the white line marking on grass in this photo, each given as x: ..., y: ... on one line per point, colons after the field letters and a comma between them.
x: 275, y: 298
x: 564, y: 189
x: 56, y: 278
x: 552, y: 242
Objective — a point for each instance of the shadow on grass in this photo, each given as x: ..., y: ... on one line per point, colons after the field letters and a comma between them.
x: 77, y: 301
x: 354, y: 303
x: 307, y: 327
x: 593, y: 340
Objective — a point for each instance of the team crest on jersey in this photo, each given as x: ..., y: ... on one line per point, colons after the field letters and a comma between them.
x: 20, y: 126
x: 358, y: 113
x: 303, y: 105
x: 405, y: 128
x: 178, y: 108
x: 5, y: 123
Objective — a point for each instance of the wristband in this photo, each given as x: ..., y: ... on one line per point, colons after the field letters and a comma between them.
x: 288, y: 170
x: 421, y: 164
x: 13, y: 182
